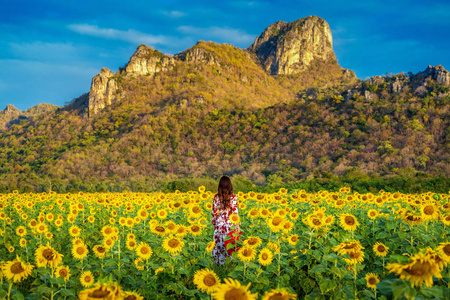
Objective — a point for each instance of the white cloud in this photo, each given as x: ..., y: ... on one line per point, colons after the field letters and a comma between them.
x: 174, y: 13
x: 225, y: 34
x: 130, y: 35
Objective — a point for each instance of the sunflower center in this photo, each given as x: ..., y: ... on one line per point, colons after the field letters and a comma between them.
x: 87, y: 278
x: 247, y: 252
x: 209, y: 280
x: 63, y: 272
x: 354, y: 255
x: 252, y: 241
x: 277, y: 221
x: 418, y: 269
x: 17, y: 268
x: 173, y: 243
x: 235, y: 294
x: 159, y: 228
x: 196, y: 209
x: 265, y: 256
x: 316, y: 222
x: 349, y: 220
x: 277, y: 296
x: 144, y: 250
x: 47, y: 254
x: 99, y: 293
x: 447, y: 218
x: 294, y: 239
x: 381, y: 248
x: 372, y: 280
x: 101, y: 249
x: 428, y: 210
x: 80, y: 250
x: 131, y: 297
x: 171, y: 226
x: 195, y: 228
x: 446, y: 249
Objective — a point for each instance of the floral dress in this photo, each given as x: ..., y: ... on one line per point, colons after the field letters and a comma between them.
x: 222, y: 225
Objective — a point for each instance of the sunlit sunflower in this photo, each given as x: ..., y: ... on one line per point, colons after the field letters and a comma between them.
x: 104, y: 291
x: 253, y: 242
x: 63, y: 271
x: 144, y: 251
x: 234, y: 219
x: 80, y: 251
x: 41, y: 228
x: 380, y: 249
x: 274, y: 247
x: 22, y: 242
x: 206, y: 280
x: 173, y: 245
x: 181, y: 231
x: 275, y: 224
x: 159, y: 270
x: 315, y: 223
x: 421, y: 268
x: 372, y: 214
x: 74, y: 231
x: 195, y: 230
x: 279, y: 294
x: 162, y: 214
x: 246, y: 254
x: 99, y: 251
x: 265, y: 257
x: 253, y: 213
x: 127, y: 295
x: 444, y: 251
x: 17, y: 270
x: 348, y: 222
x: 372, y: 280
x: 445, y: 220
x: 232, y: 289
x: 87, y: 279
x: 210, y: 246
x: 21, y: 231
x: 429, y: 211
x: 108, y: 242
x: 347, y: 247
x: 356, y: 257
x: 107, y: 231
x: 293, y: 239
x: 46, y: 255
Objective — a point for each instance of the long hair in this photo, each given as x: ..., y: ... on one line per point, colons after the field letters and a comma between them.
x: 224, y: 192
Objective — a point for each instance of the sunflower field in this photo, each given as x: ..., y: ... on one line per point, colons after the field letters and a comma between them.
x: 324, y: 245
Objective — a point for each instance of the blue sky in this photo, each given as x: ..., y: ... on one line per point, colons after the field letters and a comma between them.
x: 50, y: 50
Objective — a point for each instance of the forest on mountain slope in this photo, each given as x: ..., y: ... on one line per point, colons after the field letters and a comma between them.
x: 190, y: 125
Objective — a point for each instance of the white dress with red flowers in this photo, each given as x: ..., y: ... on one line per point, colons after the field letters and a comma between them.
x: 222, y: 225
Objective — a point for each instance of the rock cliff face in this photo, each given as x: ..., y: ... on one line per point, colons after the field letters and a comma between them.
x: 11, y: 115
x: 197, y: 55
x: 103, y: 91
x: 289, y: 48
x: 439, y: 74
x: 147, y: 61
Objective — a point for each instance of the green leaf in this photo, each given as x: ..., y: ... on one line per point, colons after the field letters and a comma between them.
x: 399, y: 287
x: 385, y: 286
x: 318, y: 269
x: 434, y: 291
x: 329, y: 257
x: 17, y: 296
x: 369, y: 294
x: 326, y: 285
x: 43, y: 289
x: 3, y: 293
x: 398, y: 258
x: 66, y: 292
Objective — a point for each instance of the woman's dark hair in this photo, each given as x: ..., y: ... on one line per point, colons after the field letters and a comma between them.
x: 225, y: 191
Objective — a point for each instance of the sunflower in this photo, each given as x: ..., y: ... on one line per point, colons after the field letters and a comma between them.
x: 108, y: 242
x: 210, y: 246
x: 372, y: 214
x: 253, y: 242
x: 87, y: 279
x: 46, y: 255
x: 101, y: 291
x: 234, y: 219
x: 162, y: 214
x: 348, y: 222
x: 137, y: 263
x: 41, y: 228
x: 74, y: 231
x: 444, y: 251
x: 429, y: 211
x: 232, y: 289
x: 265, y: 257
x: 356, y: 257
x: 346, y: 248
x: 17, y: 270
x: 22, y: 242
x: 144, y: 251
x: 99, y: 251
x: 63, y: 271
x: 445, y: 220
x: 287, y: 226
x: 173, y: 245
x: 279, y: 294
x: 132, y: 296
x: 21, y: 231
x: 158, y: 271
x: 206, y: 280
x: 273, y: 246
x: 80, y: 251
x: 372, y: 280
x: 253, y: 213
x: 315, y: 223
x: 380, y: 249
x: 107, y: 231
x: 246, y: 254
x: 421, y: 268
x: 293, y: 239
x: 275, y: 224
x: 195, y: 230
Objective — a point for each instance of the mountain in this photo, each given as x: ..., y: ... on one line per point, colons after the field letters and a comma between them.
x: 11, y: 115
x: 279, y: 112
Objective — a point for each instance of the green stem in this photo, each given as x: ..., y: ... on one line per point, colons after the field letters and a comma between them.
x: 9, y: 291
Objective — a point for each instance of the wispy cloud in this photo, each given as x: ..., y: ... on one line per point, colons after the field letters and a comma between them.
x: 130, y: 35
x: 224, y: 34
x: 174, y: 13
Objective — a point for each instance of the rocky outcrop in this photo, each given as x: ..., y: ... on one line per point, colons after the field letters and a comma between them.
x: 11, y: 115
x: 396, y: 86
x: 198, y: 54
x: 10, y: 111
x: 147, y: 61
x: 103, y: 91
x: 289, y: 48
x: 369, y: 96
x: 439, y: 74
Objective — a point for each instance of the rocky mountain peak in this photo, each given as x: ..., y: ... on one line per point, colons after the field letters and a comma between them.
x: 438, y: 73
x: 148, y: 61
x: 103, y: 90
x: 289, y: 48
x: 11, y: 110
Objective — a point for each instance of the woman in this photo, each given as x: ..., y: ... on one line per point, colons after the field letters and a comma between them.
x: 224, y: 204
